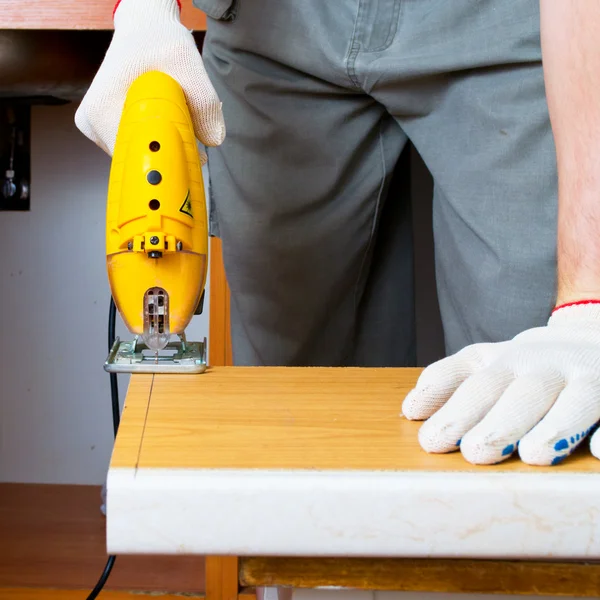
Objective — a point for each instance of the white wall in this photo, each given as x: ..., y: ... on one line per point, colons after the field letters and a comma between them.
x: 55, y: 415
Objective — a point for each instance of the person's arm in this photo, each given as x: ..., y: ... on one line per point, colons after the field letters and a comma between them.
x: 570, y: 34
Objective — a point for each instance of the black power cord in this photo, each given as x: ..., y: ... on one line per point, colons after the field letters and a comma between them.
x: 114, y: 390
x: 116, y: 414
x: 107, y: 569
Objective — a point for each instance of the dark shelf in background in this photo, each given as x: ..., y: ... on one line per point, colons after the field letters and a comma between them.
x: 45, y: 66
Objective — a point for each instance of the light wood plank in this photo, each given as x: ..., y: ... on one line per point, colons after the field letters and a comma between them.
x: 76, y: 14
x: 454, y: 576
x: 292, y: 418
x: 222, y: 578
x: 220, y: 352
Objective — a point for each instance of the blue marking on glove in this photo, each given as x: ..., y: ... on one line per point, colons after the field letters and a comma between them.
x: 508, y: 450
x: 561, y: 445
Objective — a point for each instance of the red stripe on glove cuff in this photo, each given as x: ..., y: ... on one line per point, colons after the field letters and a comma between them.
x: 577, y: 303
x: 119, y: 2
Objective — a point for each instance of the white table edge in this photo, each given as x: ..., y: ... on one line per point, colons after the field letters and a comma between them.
x: 418, y: 514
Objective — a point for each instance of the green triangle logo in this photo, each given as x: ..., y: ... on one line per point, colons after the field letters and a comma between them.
x: 186, y: 207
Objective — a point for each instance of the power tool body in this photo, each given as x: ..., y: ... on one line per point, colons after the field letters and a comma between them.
x: 156, y: 231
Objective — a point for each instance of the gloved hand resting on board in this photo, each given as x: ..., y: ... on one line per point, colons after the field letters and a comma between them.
x: 538, y: 394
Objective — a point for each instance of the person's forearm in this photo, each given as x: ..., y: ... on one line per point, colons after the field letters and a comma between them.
x: 571, y: 57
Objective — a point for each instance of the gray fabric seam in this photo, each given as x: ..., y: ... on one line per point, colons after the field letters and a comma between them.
x: 354, y: 48
x: 373, y: 224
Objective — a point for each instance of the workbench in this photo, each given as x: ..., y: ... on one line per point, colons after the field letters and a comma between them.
x: 310, y: 477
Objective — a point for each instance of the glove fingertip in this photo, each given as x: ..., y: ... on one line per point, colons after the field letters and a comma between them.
x: 209, y: 126
x: 477, y: 448
x: 595, y: 444
x: 205, y: 105
x: 540, y: 453
x: 436, y: 385
x: 438, y: 439
x: 82, y: 122
x: 418, y: 407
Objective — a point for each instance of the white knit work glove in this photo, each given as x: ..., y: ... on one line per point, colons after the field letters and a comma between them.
x: 148, y: 35
x: 537, y: 394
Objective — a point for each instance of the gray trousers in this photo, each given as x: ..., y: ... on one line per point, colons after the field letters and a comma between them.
x: 320, y: 98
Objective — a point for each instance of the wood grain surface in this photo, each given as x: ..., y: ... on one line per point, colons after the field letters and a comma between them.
x: 222, y: 574
x: 453, y: 576
x: 285, y: 418
x: 76, y: 14
x: 219, y: 336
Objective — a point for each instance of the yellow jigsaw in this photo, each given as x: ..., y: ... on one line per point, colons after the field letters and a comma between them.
x: 156, y: 230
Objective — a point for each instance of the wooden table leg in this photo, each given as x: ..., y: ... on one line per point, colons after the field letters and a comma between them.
x: 222, y: 579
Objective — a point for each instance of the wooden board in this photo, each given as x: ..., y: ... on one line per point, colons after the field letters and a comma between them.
x: 318, y: 462
x: 222, y: 581
x: 286, y: 418
x: 410, y: 575
x: 219, y: 337
x: 76, y: 14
